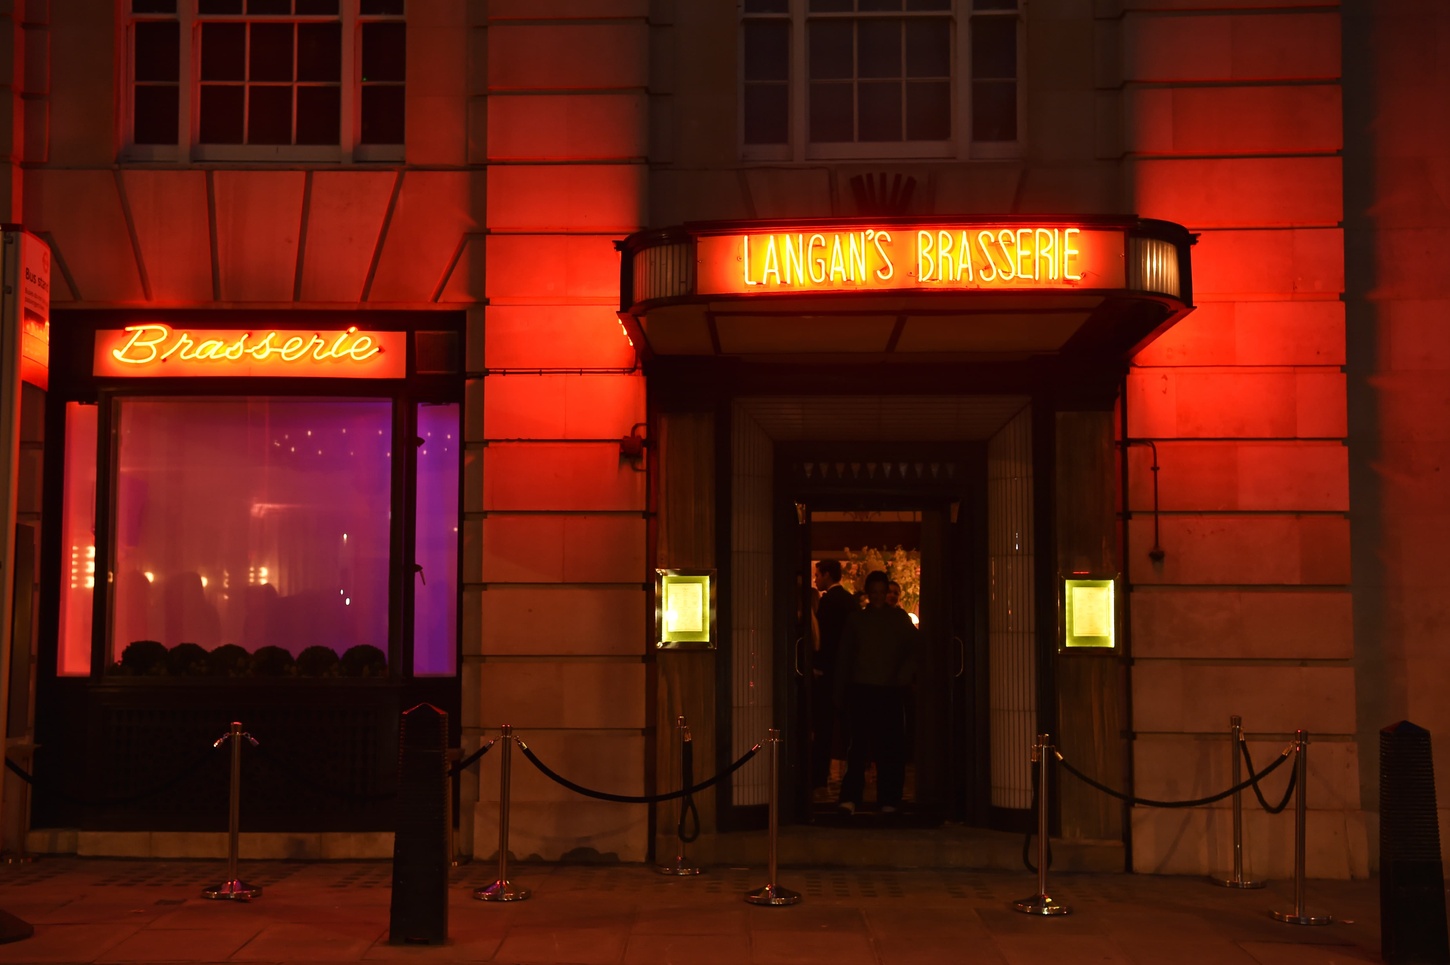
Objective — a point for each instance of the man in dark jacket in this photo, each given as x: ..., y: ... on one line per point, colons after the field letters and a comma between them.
x: 875, y: 668
x: 836, y: 604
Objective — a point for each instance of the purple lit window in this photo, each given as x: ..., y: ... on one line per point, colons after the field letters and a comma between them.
x: 252, y: 521
x: 435, y: 591
x: 78, y: 542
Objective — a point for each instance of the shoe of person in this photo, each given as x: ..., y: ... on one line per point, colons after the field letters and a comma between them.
x: 846, y: 807
x: 888, y: 809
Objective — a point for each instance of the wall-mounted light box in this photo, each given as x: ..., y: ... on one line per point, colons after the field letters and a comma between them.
x: 1089, y: 614
x: 685, y: 610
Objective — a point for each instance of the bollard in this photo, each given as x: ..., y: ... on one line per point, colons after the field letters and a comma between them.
x: 234, y: 888
x: 418, y: 911
x: 503, y: 889
x: 771, y: 893
x: 1412, y: 876
x: 1041, y: 903
x: 1301, y: 767
x: 682, y: 864
x: 1237, y: 879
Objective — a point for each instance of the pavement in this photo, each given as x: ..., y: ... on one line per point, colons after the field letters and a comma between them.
x: 112, y: 910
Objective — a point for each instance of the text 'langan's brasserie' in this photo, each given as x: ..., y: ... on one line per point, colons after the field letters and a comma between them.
x: 940, y: 258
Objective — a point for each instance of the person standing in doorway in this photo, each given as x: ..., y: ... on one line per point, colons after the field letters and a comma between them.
x: 835, y: 605
x: 875, y: 668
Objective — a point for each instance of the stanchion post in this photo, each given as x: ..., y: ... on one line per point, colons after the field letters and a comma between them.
x: 1237, y: 879
x: 503, y: 889
x: 681, y: 865
x: 771, y: 893
x: 1042, y: 903
x: 1301, y: 809
x: 234, y: 888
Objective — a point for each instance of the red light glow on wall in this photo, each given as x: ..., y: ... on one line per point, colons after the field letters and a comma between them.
x: 154, y: 350
x: 922, y: 258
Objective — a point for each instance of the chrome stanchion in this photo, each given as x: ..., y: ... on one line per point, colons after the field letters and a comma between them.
x: 503, y: 889
x: 1237, y: 879
x: 1301, y: 768
x: 681, y: 864
x: 1041, y: 903
x: 234, y: 888
x: 772, y: 893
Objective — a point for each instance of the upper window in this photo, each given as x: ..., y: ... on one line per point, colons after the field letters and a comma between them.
x: 258, y: 79
x: 879, y: 78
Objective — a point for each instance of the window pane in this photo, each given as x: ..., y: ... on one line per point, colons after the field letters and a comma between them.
x: 223, y: 51
x: 994, y: 111
x: 928, y: 4
x: 767, y: 50
x: 155, y: 117
x: 928, y: 111
x: 269, y: 115
x: 269, y: 7
x: 158, y: 50
x: 319, y: 51
x: 830, y: 50
x: 376, y: 7
x: 879, y: 107
x: 153, y: 6
x: 435, y: 594
x: 767, y: 118
x: 384, y: 54
x: 878, y: 48
x: 830, y: 111
x: 872, y: 5
x: 271, y: 52
x: 831, y: 6
x: 995, y: 4
x: 78, y: 541
x: 994, y: 47
x: 258, y: 522
x: 767, y: 6
x: 382, y: 115
x: 319, y: 8
x: 205, y: 7
x: 928, y: 48
x: 319, y: 115
x: 221, y: 114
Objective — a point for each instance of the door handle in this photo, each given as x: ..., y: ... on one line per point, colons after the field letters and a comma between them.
x: 961, y: 656
x: 798, y: 671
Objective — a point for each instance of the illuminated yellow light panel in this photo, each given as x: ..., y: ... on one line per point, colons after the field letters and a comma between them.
x: 1089, y: 614
x: 685, y: 614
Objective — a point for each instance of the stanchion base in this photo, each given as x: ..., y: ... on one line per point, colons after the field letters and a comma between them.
x: 234, y: 890
x: 680, y: 867
x: 1294, y: 918
x: 17, y: 857
x: 1041, y: 905
x: 1229, y: 881
x: 773, y: 895
x: 502, y: 890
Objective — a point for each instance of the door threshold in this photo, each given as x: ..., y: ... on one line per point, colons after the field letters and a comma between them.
x: 870, y: 845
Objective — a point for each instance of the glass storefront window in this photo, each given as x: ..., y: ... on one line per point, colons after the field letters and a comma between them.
x: 78, y: 542
x: 259, y: 522
x: 435, y: 591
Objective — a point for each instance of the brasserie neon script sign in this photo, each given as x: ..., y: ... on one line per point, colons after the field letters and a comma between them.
x: 155, y: 349
x: 957, y: 257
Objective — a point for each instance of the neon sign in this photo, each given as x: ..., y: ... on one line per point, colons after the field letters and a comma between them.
x: 958, y: 257
x: 152, y: 349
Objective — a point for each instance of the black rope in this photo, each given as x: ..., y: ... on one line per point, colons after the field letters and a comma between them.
x: 633, y: 798
x: 191, y: 768
x: 1288, y: 790
x: 1149, y: 802
x: 688, y: 811
x: 470, y: 760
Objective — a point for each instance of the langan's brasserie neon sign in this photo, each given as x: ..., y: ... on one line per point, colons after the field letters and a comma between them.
x: 152, y: 349
x: 1008, y: 257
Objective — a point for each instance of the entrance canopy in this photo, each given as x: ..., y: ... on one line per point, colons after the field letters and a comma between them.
x: 942, y: 289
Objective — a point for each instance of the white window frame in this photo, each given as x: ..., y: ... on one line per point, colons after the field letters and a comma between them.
x: 960, y: 146
x: 188, y: 147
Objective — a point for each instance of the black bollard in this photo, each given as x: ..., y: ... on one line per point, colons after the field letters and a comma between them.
x: 1412, y: 878
x: 420, y: 841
